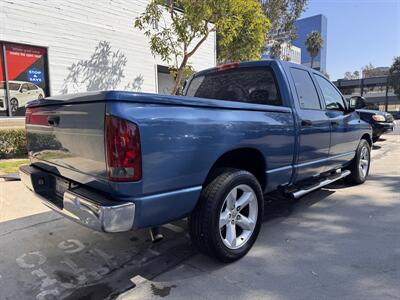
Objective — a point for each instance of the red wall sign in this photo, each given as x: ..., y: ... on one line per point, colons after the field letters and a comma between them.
x: 26, y: 75
x: 26, y: 63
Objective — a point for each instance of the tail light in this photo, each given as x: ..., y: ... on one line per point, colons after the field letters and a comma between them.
x: 122, y: 150
x: 28, y: 114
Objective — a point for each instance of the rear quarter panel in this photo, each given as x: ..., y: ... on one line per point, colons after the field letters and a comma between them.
x: 180, y: 144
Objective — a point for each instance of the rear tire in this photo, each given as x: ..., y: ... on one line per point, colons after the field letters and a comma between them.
x: 359, y: 167
x: 227, y: 219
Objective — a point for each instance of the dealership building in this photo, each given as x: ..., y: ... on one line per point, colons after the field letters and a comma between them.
x: 58, y: 47
x: 376, y: 90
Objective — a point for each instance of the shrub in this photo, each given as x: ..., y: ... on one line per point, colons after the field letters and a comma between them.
x: 12, y: 143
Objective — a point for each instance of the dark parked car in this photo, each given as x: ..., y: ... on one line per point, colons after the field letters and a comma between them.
x: 381, y: 122
x: 396, y: 115
x: 115, y: 161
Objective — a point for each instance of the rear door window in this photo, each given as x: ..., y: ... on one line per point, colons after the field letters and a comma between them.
x: 305, y: 88
x: 246, y: 84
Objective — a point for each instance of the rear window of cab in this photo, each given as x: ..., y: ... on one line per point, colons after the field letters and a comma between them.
x: 247, y: 84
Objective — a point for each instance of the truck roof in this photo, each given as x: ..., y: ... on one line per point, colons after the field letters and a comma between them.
x: 256, y: 63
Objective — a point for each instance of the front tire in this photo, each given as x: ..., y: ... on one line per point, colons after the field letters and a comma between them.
x: 359, y: 167
x: 227, y: 219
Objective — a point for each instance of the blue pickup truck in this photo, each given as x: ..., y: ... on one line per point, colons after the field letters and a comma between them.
x: 115, y: 161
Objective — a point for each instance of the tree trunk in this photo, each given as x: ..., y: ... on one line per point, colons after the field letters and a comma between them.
x: 177, y: 82
x: 186, y: 56
x: 179, y: 74
x: 312, y: 62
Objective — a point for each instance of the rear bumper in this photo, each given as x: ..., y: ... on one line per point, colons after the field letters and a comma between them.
x: 81, y: 205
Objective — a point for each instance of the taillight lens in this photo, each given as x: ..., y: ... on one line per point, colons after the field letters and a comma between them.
x: 123, y: 150
x: 28, y: 114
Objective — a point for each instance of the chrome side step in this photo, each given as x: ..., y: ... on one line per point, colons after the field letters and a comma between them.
x: 297, y: 194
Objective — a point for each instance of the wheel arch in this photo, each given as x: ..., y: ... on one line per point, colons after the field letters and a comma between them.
x: 368, y: 138
x: 246, y: 158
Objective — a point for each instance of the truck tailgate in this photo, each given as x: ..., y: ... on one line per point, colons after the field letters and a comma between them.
x: 68, y: 137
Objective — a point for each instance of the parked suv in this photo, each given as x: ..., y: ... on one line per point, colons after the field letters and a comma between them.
x: 20, y: 93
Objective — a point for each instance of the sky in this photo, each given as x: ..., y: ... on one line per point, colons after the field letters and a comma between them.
x: 359, y: 32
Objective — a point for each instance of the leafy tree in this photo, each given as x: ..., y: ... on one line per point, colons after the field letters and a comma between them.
x: 314, y: 44
x: 176, y: 35
x: 244, y: 40
x: 355, y: 75
x: 348, y: 75
x: 394, y: 76
x: 369, y: 71
x: 282, y: 14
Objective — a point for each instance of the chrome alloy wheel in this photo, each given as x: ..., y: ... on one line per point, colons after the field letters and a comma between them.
x: 363, y: 164
x: 238, y: 216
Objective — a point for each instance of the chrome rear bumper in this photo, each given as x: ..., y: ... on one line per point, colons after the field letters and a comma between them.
x: 81, y: 205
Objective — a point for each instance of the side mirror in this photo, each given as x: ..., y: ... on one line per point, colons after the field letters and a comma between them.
x: 24, y: 90
x: 357, y: 102
x: 352, y: 104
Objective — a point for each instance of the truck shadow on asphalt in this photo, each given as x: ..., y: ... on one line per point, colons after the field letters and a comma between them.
x: 125, y: 278
x: 307, y: 243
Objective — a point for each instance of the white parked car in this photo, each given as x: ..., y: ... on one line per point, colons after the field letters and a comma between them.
x: 20, y: 93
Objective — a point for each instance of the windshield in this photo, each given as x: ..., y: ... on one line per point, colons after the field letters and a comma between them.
x: 251, y: 85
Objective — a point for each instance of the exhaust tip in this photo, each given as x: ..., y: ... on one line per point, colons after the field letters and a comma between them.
x: 155, y: 235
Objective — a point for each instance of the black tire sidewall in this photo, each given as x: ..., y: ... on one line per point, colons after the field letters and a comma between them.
x: 235, y: 179
x: 358, y: 175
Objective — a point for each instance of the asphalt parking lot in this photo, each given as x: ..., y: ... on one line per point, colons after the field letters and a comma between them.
x: 338, y: 242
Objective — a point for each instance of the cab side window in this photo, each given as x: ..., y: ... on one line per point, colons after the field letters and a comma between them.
x: 333, y: 99
x: 306, y: 92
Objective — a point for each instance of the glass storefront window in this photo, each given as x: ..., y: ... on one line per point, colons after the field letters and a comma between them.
x: 26, y: 74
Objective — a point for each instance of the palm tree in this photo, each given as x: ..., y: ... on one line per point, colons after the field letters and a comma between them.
x: 314, y: 44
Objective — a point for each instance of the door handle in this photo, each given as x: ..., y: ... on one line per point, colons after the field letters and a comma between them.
x: 306, y: 123
x: 53, y: 120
